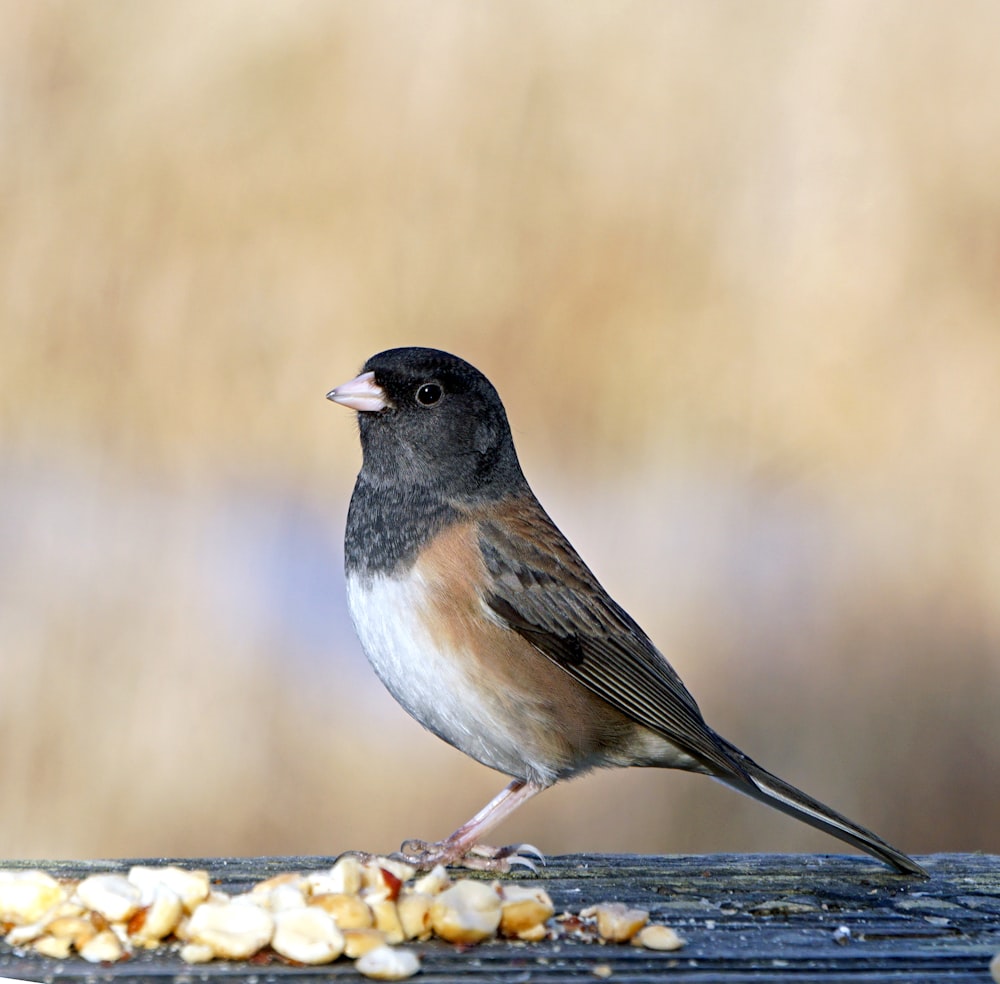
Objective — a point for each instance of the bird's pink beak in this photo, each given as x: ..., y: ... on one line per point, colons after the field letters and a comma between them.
x: 362, y: 393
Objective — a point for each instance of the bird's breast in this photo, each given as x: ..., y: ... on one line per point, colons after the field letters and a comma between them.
x: 431, y: 673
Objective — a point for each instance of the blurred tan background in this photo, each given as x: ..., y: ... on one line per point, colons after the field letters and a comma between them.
x: 735, y: 269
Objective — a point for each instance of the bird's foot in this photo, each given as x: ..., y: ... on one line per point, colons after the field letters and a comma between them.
x: 478, y: 857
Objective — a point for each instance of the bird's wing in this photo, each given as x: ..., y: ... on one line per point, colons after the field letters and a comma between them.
x: 541, y: 589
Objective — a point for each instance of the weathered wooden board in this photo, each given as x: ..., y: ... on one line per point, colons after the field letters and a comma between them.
x: 745, y: 917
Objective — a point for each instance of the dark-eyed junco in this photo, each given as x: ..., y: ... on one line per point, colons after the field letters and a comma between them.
x: 485, y: 624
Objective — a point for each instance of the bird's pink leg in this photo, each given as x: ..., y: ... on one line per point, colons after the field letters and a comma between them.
x: 462, y: 847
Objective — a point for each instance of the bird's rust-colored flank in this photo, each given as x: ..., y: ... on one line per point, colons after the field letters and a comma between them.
x: 521, y: 689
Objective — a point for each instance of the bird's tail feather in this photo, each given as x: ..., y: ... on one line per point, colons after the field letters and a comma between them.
x: 756, y: 781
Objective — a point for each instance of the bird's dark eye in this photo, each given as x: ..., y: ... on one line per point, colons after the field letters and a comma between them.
x: 429, y: 394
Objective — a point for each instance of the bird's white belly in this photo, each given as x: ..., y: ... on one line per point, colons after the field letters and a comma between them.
x: 433, y: 686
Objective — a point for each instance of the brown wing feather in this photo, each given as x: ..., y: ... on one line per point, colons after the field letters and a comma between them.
x: 544, y: 591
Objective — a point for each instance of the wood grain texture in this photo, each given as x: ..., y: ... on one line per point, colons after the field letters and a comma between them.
x: 747, y: 918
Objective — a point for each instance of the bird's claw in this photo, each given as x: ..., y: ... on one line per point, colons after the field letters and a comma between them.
x: 524, y: 855
x: 479, y: 857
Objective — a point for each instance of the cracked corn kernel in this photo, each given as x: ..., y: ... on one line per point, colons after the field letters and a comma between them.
x: 414, y: 910
x: 616, y: 922
x: 308, y: 935
x: 388, y: 963
x: 113, y: 896
x: 523, y: 910
x: 25, y: 896
x: 233, y: 930
x: 348, y: 911
x: 357, y: 942
x: 468, y: 912
x: 191, y: 887
x: 105, y: 947
x: 657, y: 937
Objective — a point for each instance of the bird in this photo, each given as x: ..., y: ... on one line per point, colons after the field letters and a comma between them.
x: 486, y: 625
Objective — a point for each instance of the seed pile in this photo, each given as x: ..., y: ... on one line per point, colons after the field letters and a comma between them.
x: 362, y: 911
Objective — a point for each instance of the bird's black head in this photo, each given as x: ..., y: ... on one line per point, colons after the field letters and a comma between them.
x: 430, y: 419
